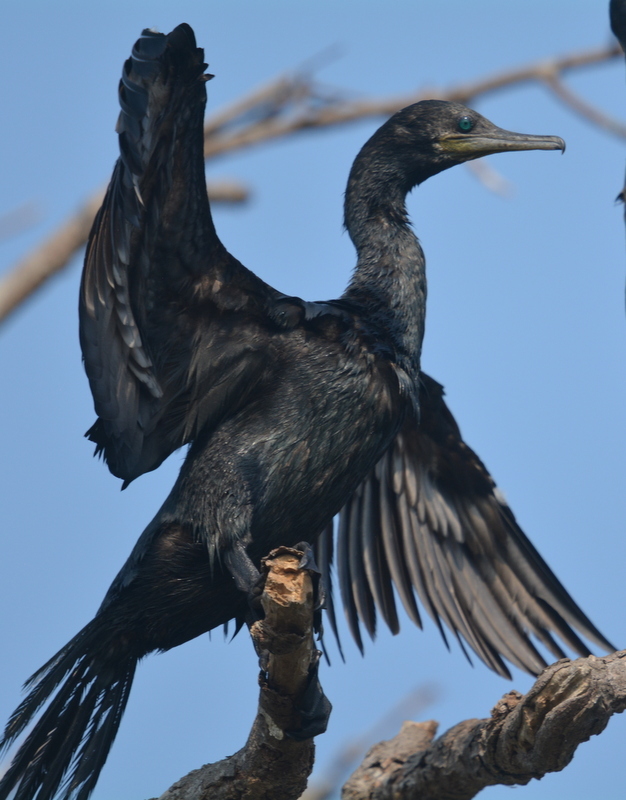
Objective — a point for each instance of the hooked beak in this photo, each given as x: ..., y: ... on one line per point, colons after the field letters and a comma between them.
x: 475, y: 144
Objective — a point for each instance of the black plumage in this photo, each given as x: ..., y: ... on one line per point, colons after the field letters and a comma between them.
x: 294, y: 411
x: 617, y: 16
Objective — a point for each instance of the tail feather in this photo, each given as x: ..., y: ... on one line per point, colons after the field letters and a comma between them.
x: 41, y: 685
x: 100, y: 736
x: 64, y: 753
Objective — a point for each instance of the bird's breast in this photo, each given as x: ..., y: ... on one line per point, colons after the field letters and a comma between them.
x: 317, y: 439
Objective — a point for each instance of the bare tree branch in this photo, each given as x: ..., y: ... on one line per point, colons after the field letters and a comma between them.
x: 537, y: 71
x: 526, y: 737
x: 14, y: 222
x: 583, y: 108
x: 51, y: 256
x: 285, y: 107
x: 490, y: 177
x: 340, y: 114
x: 273, y: 765
x: 231, y: 192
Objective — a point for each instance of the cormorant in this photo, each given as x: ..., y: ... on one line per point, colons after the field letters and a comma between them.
x: 292, y: 410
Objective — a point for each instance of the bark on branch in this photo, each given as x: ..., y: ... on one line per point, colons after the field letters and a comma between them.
x: 272, y: 765
x: 525, y: 737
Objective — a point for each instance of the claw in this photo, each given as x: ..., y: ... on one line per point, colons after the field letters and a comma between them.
x: 313, y: 707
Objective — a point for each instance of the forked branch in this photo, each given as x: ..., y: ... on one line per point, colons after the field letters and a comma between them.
x: 525, y: 737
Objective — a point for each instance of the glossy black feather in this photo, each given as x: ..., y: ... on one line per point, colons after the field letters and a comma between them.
x: 469, y: 562
x: 617, y: 15
x: 161, y: 298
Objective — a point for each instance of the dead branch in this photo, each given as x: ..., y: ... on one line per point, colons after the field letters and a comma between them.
x: 526, y: 737
x: 19, y: 219
x: 273, y: 765
x: 285, y: 107
x: 490, y: 177
x: 51, y: 256
x: 582, y: 107
x: 228, y: 192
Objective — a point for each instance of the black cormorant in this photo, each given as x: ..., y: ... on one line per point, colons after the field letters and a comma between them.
x: 293, y: 410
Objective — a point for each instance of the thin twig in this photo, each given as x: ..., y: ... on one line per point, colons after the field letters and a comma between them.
x: 276, y: 93
x: 16, y: 221
x: 346, y: 757
x: 310, y: 118
x: 490, y: 178
x: 583, y: 108
x: 51, y: 256
x: 537, y: 70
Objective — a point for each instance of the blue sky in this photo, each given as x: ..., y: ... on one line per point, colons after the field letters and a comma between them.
x: 525, y: 328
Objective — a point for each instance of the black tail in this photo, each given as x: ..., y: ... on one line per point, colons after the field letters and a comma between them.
x: 64, y: 753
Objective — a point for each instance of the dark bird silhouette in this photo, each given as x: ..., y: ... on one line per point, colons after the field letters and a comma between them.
x: 617, y: 17
x: 293, y: 411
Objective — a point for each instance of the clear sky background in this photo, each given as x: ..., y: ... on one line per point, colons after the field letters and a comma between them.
x: 525, y: 328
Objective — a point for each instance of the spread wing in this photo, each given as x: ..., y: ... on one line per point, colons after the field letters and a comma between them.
x: 174, y: 330
x: 430, y: 522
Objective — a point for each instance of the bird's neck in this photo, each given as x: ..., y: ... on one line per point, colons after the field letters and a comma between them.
x: 389, y: 281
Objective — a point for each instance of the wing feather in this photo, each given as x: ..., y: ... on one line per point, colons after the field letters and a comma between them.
x: 345, y: 578
x: 361, y: 591
x: 160, y: 295
x: 378, y: 575
x: 446, y: 535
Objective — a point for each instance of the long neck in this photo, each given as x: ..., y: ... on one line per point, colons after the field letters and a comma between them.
x: 390, y: 276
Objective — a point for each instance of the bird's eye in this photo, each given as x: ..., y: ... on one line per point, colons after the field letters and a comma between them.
x: 465, y: 124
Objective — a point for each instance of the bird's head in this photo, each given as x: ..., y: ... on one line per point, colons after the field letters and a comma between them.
x: 432, y: 135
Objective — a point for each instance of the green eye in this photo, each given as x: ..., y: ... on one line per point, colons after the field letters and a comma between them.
x: 465, y: 124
